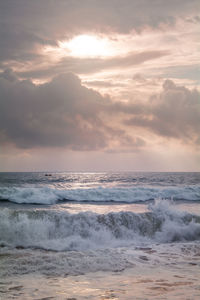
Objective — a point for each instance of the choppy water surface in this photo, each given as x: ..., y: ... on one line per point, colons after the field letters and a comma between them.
x: 67, y: 224
x: 41, y: 188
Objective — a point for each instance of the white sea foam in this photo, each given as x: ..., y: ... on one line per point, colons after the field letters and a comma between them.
x: 63, y: 263
x: 62, y: 231
x: 66, y: 239
x: 26, y: 261
x: 47, y: 195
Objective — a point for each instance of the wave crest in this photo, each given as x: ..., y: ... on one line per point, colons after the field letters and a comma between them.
x: 46, y: 195
x: 61, y: 231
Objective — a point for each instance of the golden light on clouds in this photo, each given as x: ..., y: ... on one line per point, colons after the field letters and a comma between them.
x: 103, y: 62
x: 87, y: 46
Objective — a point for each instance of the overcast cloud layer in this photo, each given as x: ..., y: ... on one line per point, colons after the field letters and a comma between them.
x: 65, y: 113
x: 26, y: 26
x: 140, y: 97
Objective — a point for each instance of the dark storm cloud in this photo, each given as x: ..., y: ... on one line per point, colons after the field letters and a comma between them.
x: 174, y: 113
x: 26, y: 25
x: 61, y: 113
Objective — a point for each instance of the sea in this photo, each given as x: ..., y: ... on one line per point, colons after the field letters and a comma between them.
x: 126, y: 235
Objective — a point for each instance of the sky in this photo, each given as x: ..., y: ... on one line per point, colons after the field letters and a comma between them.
x: 99, y: 85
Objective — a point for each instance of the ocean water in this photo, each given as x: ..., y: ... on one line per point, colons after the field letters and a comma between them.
x: 99, y: 235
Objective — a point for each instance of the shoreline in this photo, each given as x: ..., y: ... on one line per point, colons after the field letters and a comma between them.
x: 169, y: 281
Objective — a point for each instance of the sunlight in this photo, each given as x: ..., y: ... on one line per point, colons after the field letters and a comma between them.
x: 87, y: 46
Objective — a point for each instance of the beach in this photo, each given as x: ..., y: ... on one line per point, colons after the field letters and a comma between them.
x: 100, y: 236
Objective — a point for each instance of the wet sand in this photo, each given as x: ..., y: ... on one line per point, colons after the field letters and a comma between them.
x: 157, y: 273
x: 137, y: 283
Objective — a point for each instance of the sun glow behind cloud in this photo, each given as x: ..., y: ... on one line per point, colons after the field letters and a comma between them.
x: 87, y: 46
x: 121, y: 57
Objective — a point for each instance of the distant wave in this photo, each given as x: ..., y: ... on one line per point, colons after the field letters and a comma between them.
x: 46, y: 195
x: 62, y: 231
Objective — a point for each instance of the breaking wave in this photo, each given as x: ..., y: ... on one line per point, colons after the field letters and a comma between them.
x: 47, y: 195
x: 62, y: 231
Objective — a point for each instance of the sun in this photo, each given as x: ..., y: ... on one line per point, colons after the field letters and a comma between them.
x: 87, y: 46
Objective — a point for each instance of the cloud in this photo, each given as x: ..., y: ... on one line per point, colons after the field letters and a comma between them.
x: 61, y: 113
x: 102, y: 83
x: 92, y: 65
x: 174, y: 113
x: 19, y: 44
x: 64, y: 113
x: 27, y: 25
